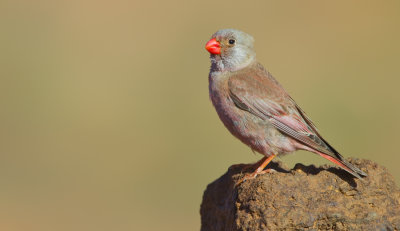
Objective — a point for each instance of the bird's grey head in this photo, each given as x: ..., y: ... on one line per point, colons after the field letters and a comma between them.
x: 230, y: 50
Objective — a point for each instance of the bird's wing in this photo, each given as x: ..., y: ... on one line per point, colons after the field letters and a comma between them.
x: 254, y: 90
x: 257, y: 92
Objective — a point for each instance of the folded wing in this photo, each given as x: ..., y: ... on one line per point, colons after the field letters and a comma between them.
x: 257, y: 92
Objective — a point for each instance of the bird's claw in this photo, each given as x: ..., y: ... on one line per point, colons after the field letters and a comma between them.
x: 254, y: 175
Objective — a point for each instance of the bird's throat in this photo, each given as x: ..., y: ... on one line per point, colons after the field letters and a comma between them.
x: 219, y: 64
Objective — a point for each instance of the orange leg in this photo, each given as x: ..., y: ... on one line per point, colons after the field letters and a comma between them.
x: 244, y: 167
x: 260, y: 170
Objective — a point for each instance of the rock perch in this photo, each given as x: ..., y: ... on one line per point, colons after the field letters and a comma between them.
x: 304, y: 198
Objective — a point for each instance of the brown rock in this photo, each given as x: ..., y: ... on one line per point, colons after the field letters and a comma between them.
x: 304, y: 198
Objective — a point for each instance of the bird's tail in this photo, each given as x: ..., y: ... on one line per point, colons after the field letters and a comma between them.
x: 341, y: 162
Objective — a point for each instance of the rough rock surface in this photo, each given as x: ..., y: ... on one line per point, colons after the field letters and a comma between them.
x: 304, y: 198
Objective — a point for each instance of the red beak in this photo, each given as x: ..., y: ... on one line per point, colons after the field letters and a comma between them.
x: 213, y: 47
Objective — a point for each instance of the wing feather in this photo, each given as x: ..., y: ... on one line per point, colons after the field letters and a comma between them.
x: 257, y: 92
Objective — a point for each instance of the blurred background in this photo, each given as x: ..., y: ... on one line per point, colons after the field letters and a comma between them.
x: 105, y: 118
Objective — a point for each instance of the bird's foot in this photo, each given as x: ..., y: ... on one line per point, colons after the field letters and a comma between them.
x: 254, y: 175
x: 260, y: 169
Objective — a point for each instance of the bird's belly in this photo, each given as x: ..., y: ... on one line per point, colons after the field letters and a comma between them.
x: 255, y: 132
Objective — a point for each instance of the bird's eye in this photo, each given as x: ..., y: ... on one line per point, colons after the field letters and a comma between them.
x: 232, y: 41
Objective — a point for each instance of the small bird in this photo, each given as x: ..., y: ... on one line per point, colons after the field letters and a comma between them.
x: 256, y: 109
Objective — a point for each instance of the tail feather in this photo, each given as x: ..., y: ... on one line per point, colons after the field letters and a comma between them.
x: 341, y: 162
x: 338, y: 159
x: 354, y: 168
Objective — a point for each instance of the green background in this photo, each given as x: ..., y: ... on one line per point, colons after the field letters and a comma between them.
x: 106, y: 122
